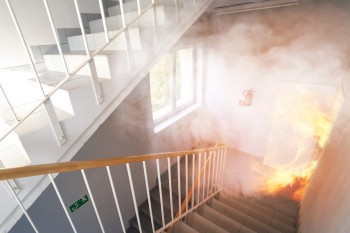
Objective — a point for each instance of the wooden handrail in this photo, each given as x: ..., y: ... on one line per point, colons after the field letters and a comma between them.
x: 44, y: 169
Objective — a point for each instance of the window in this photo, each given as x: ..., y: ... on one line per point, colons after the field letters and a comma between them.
x: 173, y: 85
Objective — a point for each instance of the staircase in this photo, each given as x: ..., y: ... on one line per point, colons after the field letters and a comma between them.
x: 223, y: 213
x: 64, y: 122
x: 188, y: 197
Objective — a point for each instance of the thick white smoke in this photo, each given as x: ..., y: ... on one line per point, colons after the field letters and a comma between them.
x: 303, y: 45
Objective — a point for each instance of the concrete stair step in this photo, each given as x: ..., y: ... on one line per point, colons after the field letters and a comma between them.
x: 157, y: 214
x: 223, y: 221
x: 73, y: 59
x: 12, y: 152
x: 115, y: 22
x: 279, y: 204
x: 96, y: 40
x: 240, y: 217
x: 128, y: 6
x: 257, y: 214
x: 166, y: 199
x: 263, y: 209
x: 145, y: 222
x: 181, y: 227
x: 203, y: 225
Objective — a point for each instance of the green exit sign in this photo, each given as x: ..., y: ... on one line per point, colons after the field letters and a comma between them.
x: 79, y: 203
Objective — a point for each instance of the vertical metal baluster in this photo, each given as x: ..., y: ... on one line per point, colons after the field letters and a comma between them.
x: 217, y: 170
x: 199, y: 177
x: 115, y: 197
x: 126, y: 38
x: 24, y: 44
x: 94, y: 79
x: 225, y: 154
x: 186, y: 169
x: 193, y: 168
x: 138, y: 7
x: 92, y: 200
x: 154, y: 21
x: 9, y: 104
x: 160, y: 192
x: 209, y: 172
x: 133, y: 196
x: 205, y: 168
x: 221, y: 167
x: 148, y: 195
x: 21, y: 206
x: 179, y: 183
x: 170, y: 190
x: 50, y: 111
x: 176, y: 11
x: 58, y: 43
x: 62, y: 202
x: 56, y: 127
x: 103, y: 19
x: 213, y: 172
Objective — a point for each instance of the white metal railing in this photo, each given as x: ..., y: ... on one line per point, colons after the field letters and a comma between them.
x: 89, y: 61
x: 199, y: 187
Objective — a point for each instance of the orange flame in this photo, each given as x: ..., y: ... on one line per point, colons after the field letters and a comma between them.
x: 311, y: 121
x: 291, y: 182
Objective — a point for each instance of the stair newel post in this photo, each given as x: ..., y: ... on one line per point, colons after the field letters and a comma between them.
x: 148, y: 195
x: 170, y: 190
x: 193, y: 168
x: 126, y: 35
x: 21, y: 205
x: 204, y: 174
x: 179, y: 184
x: 160, y: 192
x: 199, y: 177
x: 115, y: 197
x: 92, y: 67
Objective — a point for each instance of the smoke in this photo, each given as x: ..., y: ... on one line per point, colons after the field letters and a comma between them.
x: 304, y: 45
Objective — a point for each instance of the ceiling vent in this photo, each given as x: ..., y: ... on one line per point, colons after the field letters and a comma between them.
x: 252, y: 5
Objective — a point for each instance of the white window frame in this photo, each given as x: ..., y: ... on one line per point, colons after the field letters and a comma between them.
x: 175, y: 113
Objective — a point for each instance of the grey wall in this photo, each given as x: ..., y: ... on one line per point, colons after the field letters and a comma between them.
x: 126, y: 132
